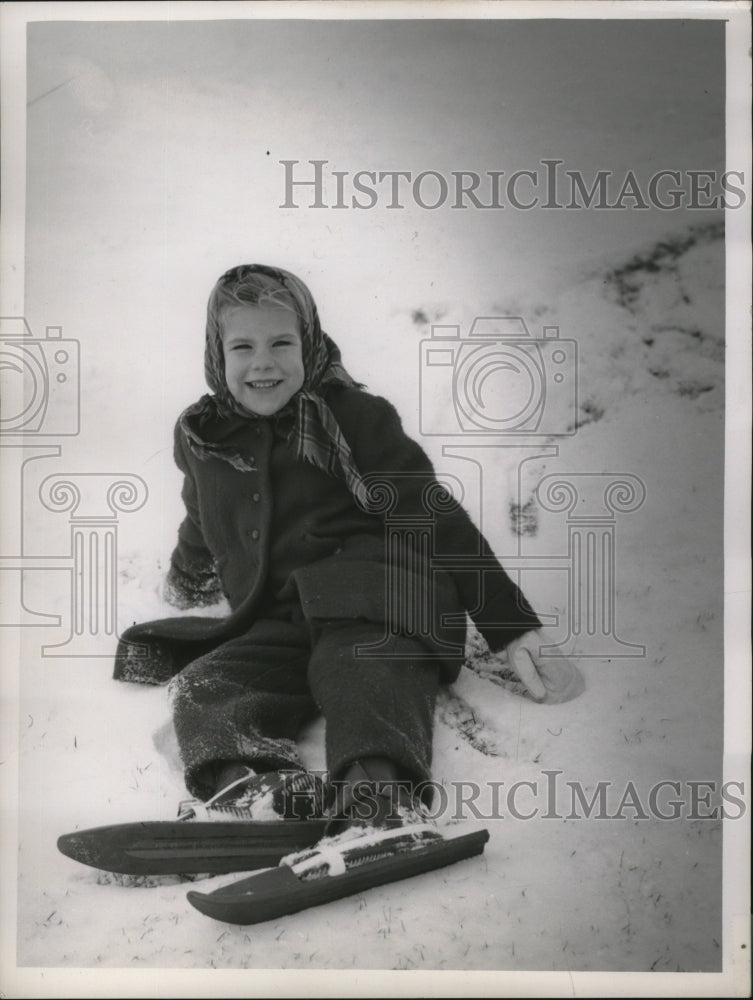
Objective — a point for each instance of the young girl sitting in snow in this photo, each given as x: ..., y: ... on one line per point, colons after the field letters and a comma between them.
x: 286, y: 466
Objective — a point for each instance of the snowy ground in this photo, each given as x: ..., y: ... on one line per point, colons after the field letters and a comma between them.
x: 620, y: 894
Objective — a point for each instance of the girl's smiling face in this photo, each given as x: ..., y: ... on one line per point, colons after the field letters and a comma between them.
x: 263, y: 357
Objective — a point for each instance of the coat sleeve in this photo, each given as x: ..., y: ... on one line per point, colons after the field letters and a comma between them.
x: 494, y: 602
x: 192, y: 579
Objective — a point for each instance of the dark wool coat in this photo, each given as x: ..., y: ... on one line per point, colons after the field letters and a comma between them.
x: 288, y: 532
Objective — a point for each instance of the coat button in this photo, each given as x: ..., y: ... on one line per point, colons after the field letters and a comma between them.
x: 255, y: 534
x: 256, y: 497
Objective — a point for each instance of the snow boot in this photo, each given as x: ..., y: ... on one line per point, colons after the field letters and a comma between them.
x: 275, y: 795
x: 371, y: 794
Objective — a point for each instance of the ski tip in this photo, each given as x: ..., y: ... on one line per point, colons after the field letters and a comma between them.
x: 83, y: 847
x: 199, y: 902
x: 68, y: 844
x: 76, y: 847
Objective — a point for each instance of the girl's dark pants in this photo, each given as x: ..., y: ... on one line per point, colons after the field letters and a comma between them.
x: 247, y: 699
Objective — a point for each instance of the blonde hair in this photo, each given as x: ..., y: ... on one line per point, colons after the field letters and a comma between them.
x: 244, y: 286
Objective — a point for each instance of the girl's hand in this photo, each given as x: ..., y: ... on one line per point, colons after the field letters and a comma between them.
x: 551, y: 680
x: 522, y: 655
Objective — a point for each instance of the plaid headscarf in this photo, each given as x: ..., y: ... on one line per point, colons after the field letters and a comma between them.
x: 315, y: 435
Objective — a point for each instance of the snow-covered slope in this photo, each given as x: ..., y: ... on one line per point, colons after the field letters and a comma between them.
x: 563, y: 893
